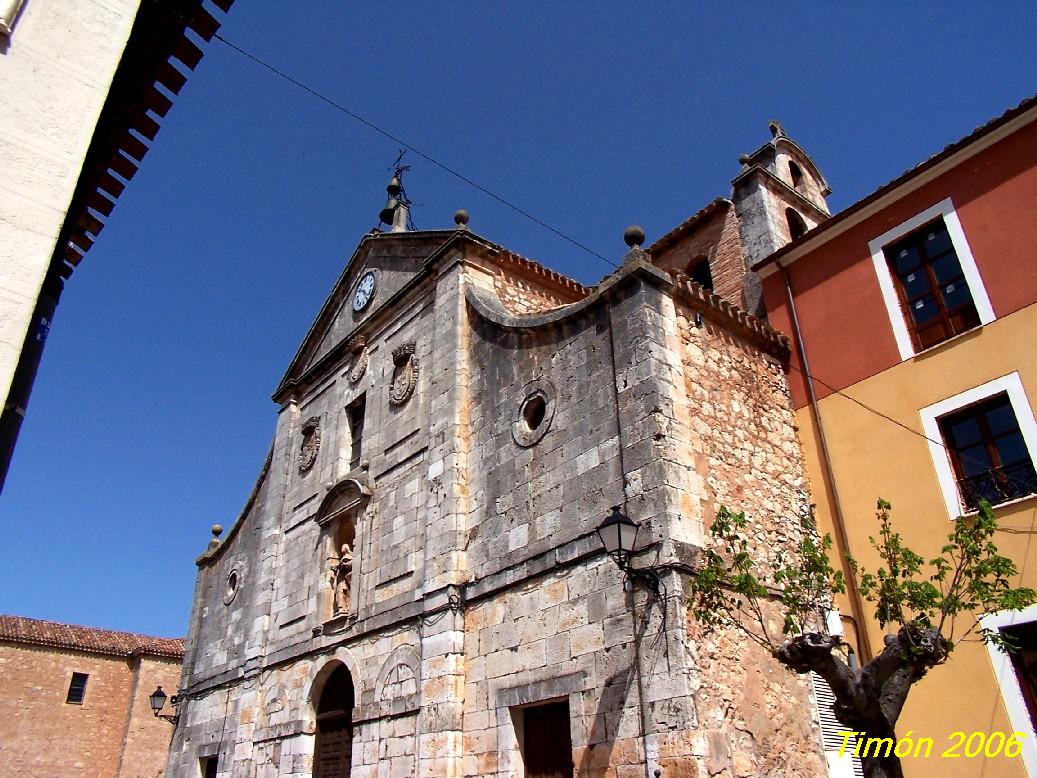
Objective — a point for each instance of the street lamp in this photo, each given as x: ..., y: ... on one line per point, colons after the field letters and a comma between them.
x: 618, y: 535
x: 158, y: 700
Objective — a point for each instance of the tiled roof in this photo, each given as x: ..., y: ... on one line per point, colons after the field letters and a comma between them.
x: 19, y: 629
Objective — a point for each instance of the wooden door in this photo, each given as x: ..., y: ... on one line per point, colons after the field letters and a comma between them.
x: 547, y: 748
x: 334, y: 748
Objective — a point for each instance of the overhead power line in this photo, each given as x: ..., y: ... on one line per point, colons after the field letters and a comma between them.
x: 462, y: 177
x: 396, y: 139
x: 888, y: 418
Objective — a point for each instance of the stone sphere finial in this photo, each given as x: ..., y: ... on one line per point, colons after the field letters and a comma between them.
x: 461, y: 219
x: 743, y: 159
x: 634, y: 236
x: 217, y: 530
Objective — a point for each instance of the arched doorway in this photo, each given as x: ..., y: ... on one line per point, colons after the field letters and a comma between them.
x: 333, y: 750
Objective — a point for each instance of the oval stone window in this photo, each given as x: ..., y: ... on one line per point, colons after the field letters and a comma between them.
x: 535, y: 413
x: 233, y: 581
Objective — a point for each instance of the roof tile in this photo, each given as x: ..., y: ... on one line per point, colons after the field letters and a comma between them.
x: 20, y: 629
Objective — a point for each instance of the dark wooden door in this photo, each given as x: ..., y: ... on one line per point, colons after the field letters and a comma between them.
x: 547, y: 745
x: 334, y: 748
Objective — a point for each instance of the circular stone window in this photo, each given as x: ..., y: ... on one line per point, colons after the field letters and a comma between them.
x: 535, y: 413
x: 233, y: 581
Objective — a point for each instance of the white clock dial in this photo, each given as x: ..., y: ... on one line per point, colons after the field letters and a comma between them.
x: 364, y: 292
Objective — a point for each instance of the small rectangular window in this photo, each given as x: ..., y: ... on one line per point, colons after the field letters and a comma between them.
x: 355, y: 414
x: 209, y: 766
x: 930, y: 282
x: 989, y: 454
x: 77, y: 689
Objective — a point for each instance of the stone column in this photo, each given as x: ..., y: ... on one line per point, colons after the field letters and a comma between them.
x: 442, y: 641
x: 662, y: 490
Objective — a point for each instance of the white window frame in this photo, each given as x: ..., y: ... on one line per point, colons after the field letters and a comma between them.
x: 1012, y: 385
x: 897, y: 315
x: 1008, y: 683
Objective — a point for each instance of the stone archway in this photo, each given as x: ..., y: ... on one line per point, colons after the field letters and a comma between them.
x: 333, y: 749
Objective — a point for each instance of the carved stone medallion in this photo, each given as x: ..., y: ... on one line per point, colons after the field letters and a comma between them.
x: 358, y: 347
x: 404, y: 374
x: 310, y: 443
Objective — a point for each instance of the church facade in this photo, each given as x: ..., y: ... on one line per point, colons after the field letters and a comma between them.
x: 416, y: 586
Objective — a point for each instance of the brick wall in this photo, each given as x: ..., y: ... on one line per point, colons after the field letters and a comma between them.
x: 146, y: 739
x: 718, y: 240
x: 42, y: 735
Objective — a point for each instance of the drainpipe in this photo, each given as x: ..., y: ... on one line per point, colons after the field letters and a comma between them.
x: 856, y: 603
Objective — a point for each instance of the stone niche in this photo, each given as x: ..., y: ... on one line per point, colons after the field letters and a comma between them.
x: 339, y: 517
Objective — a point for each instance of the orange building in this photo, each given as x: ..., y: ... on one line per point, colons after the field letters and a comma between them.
x: 913, y: 319
x: 74, y: 700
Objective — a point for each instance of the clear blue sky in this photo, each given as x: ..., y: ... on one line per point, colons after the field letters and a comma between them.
x: 152, y: 414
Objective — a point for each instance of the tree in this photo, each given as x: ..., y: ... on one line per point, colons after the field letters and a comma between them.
x: 926, y: 605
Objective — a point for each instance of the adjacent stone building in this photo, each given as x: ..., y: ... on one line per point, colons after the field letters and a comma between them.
x: 74, y: 700
x: 415, y: 585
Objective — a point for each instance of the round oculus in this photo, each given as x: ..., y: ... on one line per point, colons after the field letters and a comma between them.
x: 364, y: 291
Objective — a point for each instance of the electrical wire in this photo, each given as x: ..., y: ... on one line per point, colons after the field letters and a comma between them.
x: 396, y: 139
x: 897, y: 422
x: 457, y: 174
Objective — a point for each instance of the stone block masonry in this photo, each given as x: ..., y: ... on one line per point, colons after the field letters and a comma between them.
x: 482, y: 602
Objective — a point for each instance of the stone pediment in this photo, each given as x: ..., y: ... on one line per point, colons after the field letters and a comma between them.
x: 380, y: 268
x: 348, y: 494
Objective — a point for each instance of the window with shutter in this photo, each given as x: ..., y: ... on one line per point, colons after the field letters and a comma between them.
x: 845, y: 766
x: 929, y: 279
x: 983, y: 443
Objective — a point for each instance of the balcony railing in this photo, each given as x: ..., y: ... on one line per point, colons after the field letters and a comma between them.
x: 998, y: 485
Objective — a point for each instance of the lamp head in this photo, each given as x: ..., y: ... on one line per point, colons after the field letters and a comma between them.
x: 618, y: 535
x: 158, y: 700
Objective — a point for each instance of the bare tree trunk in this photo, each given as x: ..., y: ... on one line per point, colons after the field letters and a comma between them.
x: 869, y: 700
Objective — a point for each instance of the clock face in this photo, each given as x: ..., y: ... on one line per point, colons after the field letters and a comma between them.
x: 364, y: 291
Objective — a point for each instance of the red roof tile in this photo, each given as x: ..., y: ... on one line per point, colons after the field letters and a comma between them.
x: 19, y: 629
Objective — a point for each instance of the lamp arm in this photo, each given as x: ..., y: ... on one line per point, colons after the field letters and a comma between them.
x: 649, y: 576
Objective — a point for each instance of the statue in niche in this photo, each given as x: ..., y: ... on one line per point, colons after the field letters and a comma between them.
x: 342, y: 578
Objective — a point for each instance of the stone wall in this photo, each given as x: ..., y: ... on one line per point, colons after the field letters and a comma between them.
x: 259, y: 658
x: 480, y: 586
x: 756, y: 716
x: 521, y: 289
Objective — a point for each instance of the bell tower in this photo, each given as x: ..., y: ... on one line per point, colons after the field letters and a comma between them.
x: 778, y: 194
x: 396, y: 212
